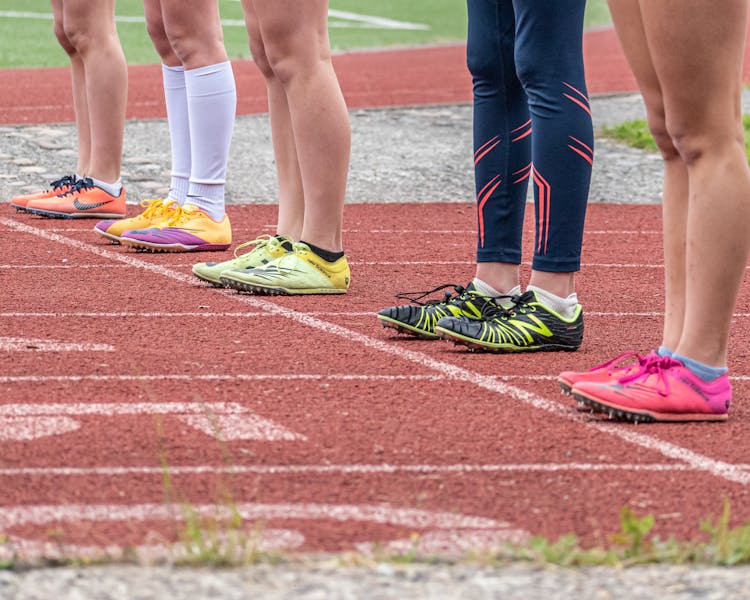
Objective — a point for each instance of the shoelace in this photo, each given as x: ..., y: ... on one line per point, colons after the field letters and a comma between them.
x: 610, y: 364
x: 257, y: 243
x: 416, y: 297
x: 154, y: 207
x: 658, y: 365
x: 80, y: 185
x: 58, y: 184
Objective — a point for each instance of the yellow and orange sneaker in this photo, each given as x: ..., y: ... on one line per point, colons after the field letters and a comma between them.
x: 189, y: 229
x: 84, y: 200
x: 59, y: 186
x: 156, y: 211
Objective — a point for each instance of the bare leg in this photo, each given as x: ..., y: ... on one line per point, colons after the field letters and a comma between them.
x: 90, y: 28
x: 291, y: 195
x: 629, y: 21
x: 295, y: 36
x: 78, y: 77
x: 701, y: 93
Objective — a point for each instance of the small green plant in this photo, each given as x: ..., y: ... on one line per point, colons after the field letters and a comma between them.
x: 635, y: 133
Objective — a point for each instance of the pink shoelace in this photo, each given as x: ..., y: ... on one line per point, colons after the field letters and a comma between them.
x: 658, y: 365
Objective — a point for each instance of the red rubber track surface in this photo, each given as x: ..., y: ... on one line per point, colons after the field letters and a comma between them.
x: 117, y: 367
x: 348, y: 392
x: 368, y: 79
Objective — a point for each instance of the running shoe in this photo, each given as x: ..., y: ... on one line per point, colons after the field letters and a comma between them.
x: 662, y: 390
x: 261, y: 251
x: 612, y: 370
x: 83, y: 200
x: 528, y: 326
x: 155, y: 212
x: 294, y: 273
x: 188, y: 229
x: 57, y: 187
x: 419, y: 318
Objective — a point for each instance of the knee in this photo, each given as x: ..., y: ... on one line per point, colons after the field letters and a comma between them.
x: 290, y: 54
x: 78, y: 35
x: 662, y: 137
x: 63, y: 40
x: 155, y: 30
x: 693, y: 143
x: 259, y: 57
x: 483, y: 65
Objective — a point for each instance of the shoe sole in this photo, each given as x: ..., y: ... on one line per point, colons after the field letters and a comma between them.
x: 400, y: 327
x: 213, y: 282
x: 111, y: 237
x: 50, y: 214
x: 19, y: 208
x: 277, y: 291
x: 642, y: 416
x: 148, y: 247
x: 473, y: 345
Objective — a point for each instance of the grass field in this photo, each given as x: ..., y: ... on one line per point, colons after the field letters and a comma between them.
x: 26, y: 38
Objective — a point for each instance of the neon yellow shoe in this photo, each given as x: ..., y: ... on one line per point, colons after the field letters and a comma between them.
x: 155, y: 211
x: 188, y: 229
x: 298, y: 272
x: 264, y: 249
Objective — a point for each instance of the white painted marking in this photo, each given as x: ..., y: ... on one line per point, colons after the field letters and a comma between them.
x: 226, y: 421
x: 424, y: 521
x: 217, y: 377
x: 256, y: 314
x: 721, y: 469
x: 350, y: 20
x: 357, y: 469
x: 18, y: 379
x: 25, y: 429
x: 17, y: 344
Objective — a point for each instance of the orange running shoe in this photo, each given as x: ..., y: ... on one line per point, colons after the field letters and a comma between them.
x: 156, y: 212
x: 59, y: 186
x: 82, y: 201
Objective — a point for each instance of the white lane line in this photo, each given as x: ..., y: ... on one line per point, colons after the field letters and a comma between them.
x: 217, y: 377
x: 18, y: 379
x: 348, y: 20
x: 260, y: 314
x: 18, y: 344
x: 353, y: 469
x: 226, y: 421
x: 718, y: 468
x: 447, y: 532
x: 367, y: 263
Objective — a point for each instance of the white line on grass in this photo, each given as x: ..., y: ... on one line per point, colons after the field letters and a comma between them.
x: 348, y: 20
x: 718, y: 468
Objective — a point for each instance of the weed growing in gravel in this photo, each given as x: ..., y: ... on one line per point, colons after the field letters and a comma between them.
x: 634, y: 544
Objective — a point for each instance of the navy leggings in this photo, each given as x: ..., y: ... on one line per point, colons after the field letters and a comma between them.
x: 532, y: 121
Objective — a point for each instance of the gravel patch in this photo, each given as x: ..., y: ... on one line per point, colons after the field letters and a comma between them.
x: 414, y: 154
x: 381, y: 582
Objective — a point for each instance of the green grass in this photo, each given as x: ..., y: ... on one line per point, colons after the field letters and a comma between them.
x: 26, y: 42
x: 636, y: 134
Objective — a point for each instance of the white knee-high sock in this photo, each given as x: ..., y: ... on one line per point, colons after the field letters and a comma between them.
x: 175, y: 96
x: 212, y: 103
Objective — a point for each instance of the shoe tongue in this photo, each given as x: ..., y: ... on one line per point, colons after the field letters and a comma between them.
x: 528, y: 297
x: 471, y: 287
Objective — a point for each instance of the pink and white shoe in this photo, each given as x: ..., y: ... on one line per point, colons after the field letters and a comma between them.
x: 612, y: 370
x: 661, y: 390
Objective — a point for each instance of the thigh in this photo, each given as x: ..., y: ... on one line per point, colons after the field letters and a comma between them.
x: 196, y: 19
x: 294, y: 27
x: 697, y: 50
x: 92, y: 18
x: 628, y: 20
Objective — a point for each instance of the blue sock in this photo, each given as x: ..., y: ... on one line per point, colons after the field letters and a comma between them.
x: 664, y: 351
x: 705, y: 372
